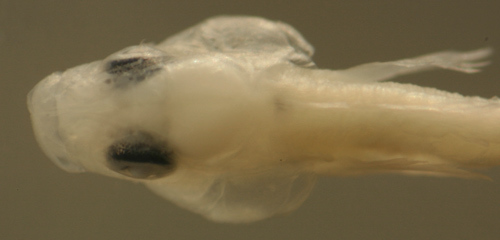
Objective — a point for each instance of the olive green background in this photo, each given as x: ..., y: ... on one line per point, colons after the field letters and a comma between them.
x: 40, y: 201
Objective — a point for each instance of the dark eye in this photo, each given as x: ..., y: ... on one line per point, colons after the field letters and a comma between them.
x: 130, y: 70
x: 141, y: 156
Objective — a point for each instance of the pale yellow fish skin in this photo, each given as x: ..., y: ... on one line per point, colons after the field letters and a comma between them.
x: 232, y: 120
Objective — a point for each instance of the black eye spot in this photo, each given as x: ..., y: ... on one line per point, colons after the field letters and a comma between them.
x: 141, y: 156
x: 131, y: 70
x: 127, y: 65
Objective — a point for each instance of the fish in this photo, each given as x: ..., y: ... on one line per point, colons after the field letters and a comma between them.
x: 232, y: 119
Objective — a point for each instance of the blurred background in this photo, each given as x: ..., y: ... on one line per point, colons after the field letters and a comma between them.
x: 40, y: 201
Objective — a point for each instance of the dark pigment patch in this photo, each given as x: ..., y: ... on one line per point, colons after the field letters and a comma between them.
x: 139, y: 155
x: 134, y: 69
